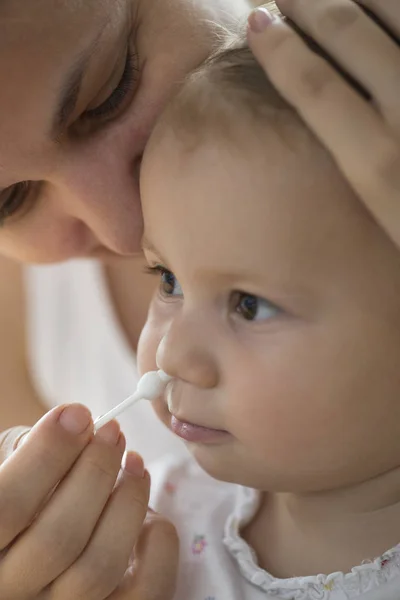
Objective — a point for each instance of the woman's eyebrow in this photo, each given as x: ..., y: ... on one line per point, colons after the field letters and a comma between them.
x: 70, y: 90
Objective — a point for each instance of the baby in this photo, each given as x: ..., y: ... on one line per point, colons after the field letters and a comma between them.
x: 278, y: 315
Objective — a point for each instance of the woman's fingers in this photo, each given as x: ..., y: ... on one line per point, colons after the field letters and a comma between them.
x: 65, y: 525
x: 386, y: 10
x: 67, y: 529
x: 365, y: 148
x: 352, y: 39
x: 101, y: 567
x: 68, y: 525
x: 157, y: 551
x: 355, y: 42
x: 34, y: 469
x: 153, y: 573
x: 317, y: 92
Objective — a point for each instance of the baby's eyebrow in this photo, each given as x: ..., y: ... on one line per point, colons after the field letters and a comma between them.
x: 150, y: 247
x: 147, y: 245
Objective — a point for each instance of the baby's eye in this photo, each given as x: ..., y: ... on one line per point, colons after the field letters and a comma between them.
x: 169, y: 285
x: 14, y: 200
x: 253, y: 308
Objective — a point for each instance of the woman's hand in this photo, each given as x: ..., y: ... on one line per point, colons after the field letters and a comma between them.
x: 363, y: 136
x: 70, y: 519
x: 154, y: 564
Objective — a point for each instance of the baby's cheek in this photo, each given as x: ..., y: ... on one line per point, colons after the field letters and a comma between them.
x: 153, y: 332
x: 160, y: 408
x: 147, y: 348
x: 267, y: 422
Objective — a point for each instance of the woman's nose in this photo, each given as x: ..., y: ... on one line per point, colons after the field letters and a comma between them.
x: 186, y: 353
x: 99, y: 186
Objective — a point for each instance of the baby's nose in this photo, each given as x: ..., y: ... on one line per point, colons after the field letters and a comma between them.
x: 184, y: 356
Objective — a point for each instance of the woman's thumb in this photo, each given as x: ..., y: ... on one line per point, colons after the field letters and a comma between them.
x: 156, y: 558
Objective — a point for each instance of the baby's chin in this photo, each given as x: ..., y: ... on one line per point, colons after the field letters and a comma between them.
x: 218, y: 462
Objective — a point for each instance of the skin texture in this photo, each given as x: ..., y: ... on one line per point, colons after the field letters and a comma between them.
x: 309, y: 392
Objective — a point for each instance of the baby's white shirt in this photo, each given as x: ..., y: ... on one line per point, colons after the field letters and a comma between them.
x: 217, y: 564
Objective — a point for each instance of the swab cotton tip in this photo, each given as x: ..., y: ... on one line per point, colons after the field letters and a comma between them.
x: 152, y: 384
x: 149, y: 387
x: 164, y: 377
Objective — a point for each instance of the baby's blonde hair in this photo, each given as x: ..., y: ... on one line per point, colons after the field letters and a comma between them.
x: 231, y: 85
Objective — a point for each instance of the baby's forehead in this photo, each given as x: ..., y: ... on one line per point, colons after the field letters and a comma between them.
x: 230, y: 159
x: 257, y: 190
x: 275, y: 164
x: 271, y: 218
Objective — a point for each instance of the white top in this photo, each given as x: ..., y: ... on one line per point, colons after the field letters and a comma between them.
x: 78, y: 352
x: 217, y: 564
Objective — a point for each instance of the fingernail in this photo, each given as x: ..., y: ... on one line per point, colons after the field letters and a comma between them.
x: 75, y: 419
x: 259, y: 19
x: 110, y: 433
x: 134, y: 464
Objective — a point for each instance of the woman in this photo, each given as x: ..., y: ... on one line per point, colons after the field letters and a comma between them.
x: 83, y: 84
x: 83, y: 90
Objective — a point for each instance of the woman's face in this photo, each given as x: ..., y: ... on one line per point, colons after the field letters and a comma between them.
x: 82, y: 82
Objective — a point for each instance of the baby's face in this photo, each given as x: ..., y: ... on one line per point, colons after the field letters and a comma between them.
x: 279, y: 311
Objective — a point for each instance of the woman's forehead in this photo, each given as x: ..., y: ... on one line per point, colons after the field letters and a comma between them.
x: 21, y: 20
x: 42, y: 48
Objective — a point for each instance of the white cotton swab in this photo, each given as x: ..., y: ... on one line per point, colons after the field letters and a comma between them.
x: 150, y: 387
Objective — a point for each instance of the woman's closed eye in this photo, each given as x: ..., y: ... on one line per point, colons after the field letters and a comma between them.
x: 252, y: 308
x: 12, y: 199
x: 112, y: 105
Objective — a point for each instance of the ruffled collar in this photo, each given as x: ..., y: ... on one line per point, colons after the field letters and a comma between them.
x: 369, y: 576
